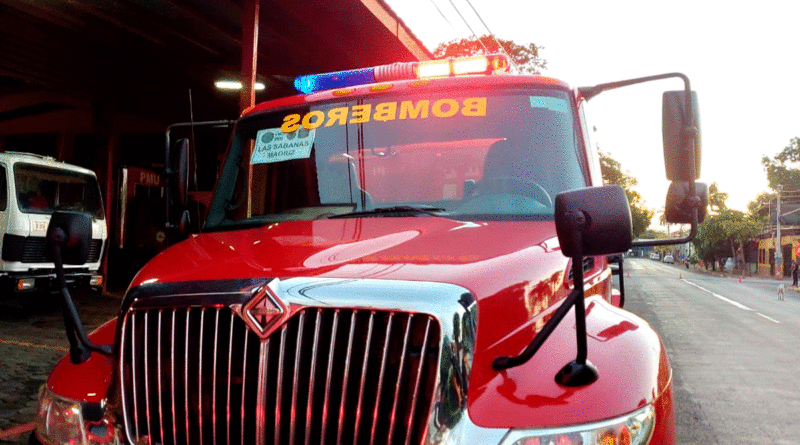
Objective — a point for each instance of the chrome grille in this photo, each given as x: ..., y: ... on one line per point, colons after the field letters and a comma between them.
x: 328, y: 376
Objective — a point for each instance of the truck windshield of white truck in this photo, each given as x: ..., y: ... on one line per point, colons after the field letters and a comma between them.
x: 43, y: 190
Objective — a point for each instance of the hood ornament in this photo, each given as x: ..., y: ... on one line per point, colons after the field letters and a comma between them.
x: 264, y: 313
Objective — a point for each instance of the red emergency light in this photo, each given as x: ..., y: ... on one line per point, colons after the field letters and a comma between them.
x: 487, y: 64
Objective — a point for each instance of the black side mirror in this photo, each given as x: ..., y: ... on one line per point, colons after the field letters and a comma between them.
x: 69, y: 236
x: 602, y: 215
x: 72, y: 232
x: 182, y: 171
x: 680, y: 203
x: 177, y: 186
x: 681, y: 133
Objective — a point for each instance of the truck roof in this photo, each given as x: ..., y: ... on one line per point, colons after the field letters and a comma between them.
x: 12, y: 157
x: 414, y: 86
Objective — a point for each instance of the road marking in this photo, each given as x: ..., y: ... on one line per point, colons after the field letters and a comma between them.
x: 769, y: 318
x: 7, y: 341
x: 727, y: 300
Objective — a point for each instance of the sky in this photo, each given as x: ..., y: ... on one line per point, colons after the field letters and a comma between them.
x: 742, y: 58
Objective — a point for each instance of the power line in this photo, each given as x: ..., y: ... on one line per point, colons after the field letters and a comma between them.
x: 516, y: 68
x: 444, y: 17
x: 469, y: 27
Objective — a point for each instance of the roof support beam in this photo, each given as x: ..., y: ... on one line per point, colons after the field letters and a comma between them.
x: 249, y: 53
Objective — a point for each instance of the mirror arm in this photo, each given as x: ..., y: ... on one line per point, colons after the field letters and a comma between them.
x: 580, y: 371
x: 80, y: 347
x: 671, y: 241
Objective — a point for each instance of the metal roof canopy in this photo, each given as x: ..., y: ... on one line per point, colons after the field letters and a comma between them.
x: 141, y: 58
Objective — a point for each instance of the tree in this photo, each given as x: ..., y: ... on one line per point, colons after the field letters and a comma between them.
x: 783, y: 169
x: 613, y: 174
x: 716, y: 198
x: 724, y: 234
x: 526, y: 57
x: 754, y: 206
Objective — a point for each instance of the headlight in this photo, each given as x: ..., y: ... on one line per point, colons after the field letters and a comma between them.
x: 62, y: 421
x: 632, y: 429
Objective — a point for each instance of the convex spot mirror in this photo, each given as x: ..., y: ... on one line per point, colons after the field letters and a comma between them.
x: 602, y: 215
x: 72, y: 232
x: 679, y: 205
x: 681, y: 133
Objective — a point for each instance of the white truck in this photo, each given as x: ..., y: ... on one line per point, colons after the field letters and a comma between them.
x: 32, y: 187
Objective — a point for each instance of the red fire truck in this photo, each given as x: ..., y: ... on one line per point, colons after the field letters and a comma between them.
x: 415, y: 253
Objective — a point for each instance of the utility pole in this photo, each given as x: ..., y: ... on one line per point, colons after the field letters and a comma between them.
x: 778, y: 247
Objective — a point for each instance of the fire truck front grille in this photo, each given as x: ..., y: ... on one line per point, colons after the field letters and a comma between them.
x: 328, y: 376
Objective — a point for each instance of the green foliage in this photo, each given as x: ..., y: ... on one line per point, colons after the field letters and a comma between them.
x: 613, y: 174
x: 716, y: 198
x: 783, y: 169
x: 720, y: 235
x: 526, y: 57
x: 754, y: 206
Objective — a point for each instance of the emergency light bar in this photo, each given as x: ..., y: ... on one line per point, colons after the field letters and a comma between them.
x: 491, y: 64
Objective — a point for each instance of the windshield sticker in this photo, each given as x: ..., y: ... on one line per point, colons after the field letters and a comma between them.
x: 385, y: 111
x: 550, y: 103
x: 274, y: 145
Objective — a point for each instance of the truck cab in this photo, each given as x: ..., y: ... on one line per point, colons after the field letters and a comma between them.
x: 406, y: 254
x: 32, y: 187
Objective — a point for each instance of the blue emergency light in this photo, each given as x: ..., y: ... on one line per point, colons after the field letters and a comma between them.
x: 491, y: 64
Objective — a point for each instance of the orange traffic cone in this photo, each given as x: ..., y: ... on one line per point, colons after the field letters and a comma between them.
x: 680, y: 276
x: 628, y: 275
x: 740, y: 279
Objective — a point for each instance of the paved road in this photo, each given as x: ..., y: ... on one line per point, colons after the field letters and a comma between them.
x: 735, y: 351
x: 30, y: 345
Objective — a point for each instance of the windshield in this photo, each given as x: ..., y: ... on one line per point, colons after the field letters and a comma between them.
x: 43, y: 189
x: 494, y: 156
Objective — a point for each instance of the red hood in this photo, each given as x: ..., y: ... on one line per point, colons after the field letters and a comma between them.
x: 418, y: 249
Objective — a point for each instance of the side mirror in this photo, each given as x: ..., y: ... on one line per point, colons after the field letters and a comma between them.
x: 72, y: 232
x: 177, y: 186
x: 679, y: 205
x: 69, y: 236
x: 681, y: 133
x: 602, y: 217
x: 182, y: 171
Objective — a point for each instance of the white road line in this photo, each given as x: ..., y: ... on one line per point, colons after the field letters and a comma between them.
x: 769, y: 318
x: 727, y: 300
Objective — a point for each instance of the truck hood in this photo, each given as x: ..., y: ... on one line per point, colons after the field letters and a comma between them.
x: 483, y: 257
x: 514, y: 270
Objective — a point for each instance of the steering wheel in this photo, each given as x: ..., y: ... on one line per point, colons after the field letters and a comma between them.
x: 516, y: 186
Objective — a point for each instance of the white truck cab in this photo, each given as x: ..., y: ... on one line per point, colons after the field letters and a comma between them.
x: 32, y: 187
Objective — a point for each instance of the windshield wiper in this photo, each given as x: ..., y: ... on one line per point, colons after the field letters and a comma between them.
x: 393, y: 211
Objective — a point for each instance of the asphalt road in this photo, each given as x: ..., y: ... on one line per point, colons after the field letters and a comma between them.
x: 734, y: 349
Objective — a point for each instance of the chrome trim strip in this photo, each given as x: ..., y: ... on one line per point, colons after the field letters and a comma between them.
x: 326, y: 401
x: 261, y: 394
x: 309, y: 405
x: 295, y: 369
x: 279, y: 385
x: 214, y: 380
x: 400, y: 373
x: 200, y: 375
x: 422, y: 356
x: 146, y: 380
x: 230, y: 373
x: 346, y: 379
x: 380, y: 377
x: 172, y: 380
x: 158, y: 370
x: 244, y: 383
x: 186, y: 374
x: 363, y: 377
x: 125, y: 414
